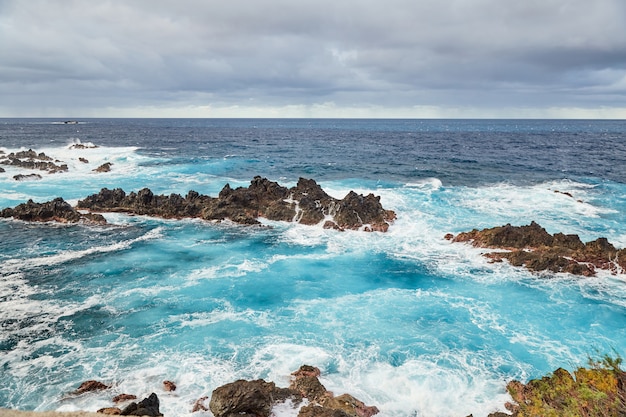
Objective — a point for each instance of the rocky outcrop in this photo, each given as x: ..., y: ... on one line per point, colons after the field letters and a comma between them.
x: 106, y: 167
x: 89, y: 386
x: 32, y: 160
x: 593, y: 391
x: 147, y: 407
x: 56, y: 210
x: 248, y: 398
x: 536, y: 249
x: 26, y: 177
x: 256, y: 398
x: 305, y: 203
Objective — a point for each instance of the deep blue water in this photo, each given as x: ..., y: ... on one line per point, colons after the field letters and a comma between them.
x: 403, y: 320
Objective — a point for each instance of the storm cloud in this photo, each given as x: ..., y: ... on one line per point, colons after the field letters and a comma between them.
x: 460, y: 58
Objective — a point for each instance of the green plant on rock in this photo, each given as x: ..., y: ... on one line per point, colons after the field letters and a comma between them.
x: 596, y: 391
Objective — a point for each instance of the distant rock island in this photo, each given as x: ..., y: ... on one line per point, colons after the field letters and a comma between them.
x: 533, y: 247
x: 305, y: 203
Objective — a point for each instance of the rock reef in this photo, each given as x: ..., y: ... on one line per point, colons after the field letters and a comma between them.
x: 57, y: 210
x: 305, y: 203
x: 256, y: 398
x: 533, y: 247
x: 32, y: 160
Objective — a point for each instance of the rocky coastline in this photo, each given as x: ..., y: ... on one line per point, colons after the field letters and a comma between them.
x: 598, y: 390
x: 306, y: 203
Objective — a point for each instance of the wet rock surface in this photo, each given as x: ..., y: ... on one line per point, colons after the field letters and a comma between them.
x: 256, y: 398
x: 56, y: 210
x: 533, y: 247
x: 305, y: 203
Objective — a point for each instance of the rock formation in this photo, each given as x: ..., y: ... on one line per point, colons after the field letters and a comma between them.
x: 56, y: 210
x: 147, y: 407
x: 26, y: 177
x: 599, y: 390
x: 89, y: 386
x: 32, y: 160
x: 531, y: 246
x: 305, y: 203
x: 256, y: 398
x: 106, y: 167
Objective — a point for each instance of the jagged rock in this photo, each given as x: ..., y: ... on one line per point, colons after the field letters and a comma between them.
x: 89, y: 386
x: 26, y: 177
x: 56, y: 210
x: 106, y: 167
x: 169, y: 386
x: 305, y: 203
x: 531, y: 246
x: 83, y: 160
x: 199, y: 405
x: 2, y: 170
x: 147, y: 407
x: 257, y: 398
x: 124, y: 397
x: 307, y: 370
x: 32, y: 160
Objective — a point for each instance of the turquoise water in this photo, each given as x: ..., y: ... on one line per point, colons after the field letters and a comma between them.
x: 404, y: 320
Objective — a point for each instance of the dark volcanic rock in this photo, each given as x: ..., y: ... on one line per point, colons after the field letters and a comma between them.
x: 146, y: 407
x: 305, y: 203
x: 32, y: 160
x: 243, y: 398
x: 26, y: 177
x: 531, y: 246
x: 56, y: 210
x: 89, y: 386
x: 106, y: 167
x: 256, y: 398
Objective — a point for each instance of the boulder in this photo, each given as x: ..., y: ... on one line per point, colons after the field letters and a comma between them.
x: 243, y: 398
x: 169, y: 386
x: 89, y: 386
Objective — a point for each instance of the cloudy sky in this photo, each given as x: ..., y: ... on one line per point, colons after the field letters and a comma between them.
x: 322, y: 58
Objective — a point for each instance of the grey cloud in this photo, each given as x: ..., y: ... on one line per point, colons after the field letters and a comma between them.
x: 484, y: 53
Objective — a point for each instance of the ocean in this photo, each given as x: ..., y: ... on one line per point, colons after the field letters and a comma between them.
x: 404, y: 320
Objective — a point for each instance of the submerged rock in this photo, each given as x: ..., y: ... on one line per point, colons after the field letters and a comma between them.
x: 533, y: 247
x: 305, y: 203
